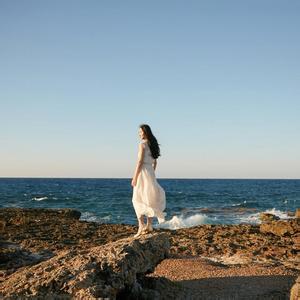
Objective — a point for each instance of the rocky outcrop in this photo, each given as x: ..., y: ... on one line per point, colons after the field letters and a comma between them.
x: 295, y: 291
x: 31, y: 238
x: 21, y: 216
x: 282, y: 227
x: 37, y: 230
x: 266, y: 217
x: 101, y: 271
x: 12, y: 257
x: 239, y: 244
x: 49, y: 231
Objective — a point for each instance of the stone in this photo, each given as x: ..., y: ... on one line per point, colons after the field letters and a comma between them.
x: 297, y: 214
x: 295, y: 291
x: 2, y: 225
x: 21, y: 216
x: 47, y: 233
x: 101, y: 271
x: 266, y: 217
x: 281, y: 228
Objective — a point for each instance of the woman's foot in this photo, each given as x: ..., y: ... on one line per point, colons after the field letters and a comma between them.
x: 140, y: 231
x: 148, y: 228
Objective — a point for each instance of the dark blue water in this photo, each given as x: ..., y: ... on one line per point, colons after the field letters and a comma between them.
x: 189, y: 201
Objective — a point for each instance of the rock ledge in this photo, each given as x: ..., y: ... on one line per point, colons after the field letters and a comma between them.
x: 98, y: 272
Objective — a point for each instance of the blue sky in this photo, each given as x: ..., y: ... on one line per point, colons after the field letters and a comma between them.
x: 218, y: 82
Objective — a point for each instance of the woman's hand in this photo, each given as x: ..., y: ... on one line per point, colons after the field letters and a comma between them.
x: 133, y: 182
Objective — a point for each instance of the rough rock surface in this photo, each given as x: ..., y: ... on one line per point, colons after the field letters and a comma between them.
x: 281, y: 227
x: 238, y: 244
x: 205, y: 279
x: 33, y: 237
x: 295, y: 291
x: 43, y: 233
x: 266, y: 217
x: 101, y: 271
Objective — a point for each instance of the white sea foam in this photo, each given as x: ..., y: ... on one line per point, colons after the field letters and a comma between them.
x: 239, y: 204
x: 278, y: 213
x: 254, y: 218
x: 106, y: 218
x: 90, y: 217
x: 39, y: 198
x: 183, y: 222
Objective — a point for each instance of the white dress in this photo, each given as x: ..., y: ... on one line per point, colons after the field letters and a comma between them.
x: 148, y: 197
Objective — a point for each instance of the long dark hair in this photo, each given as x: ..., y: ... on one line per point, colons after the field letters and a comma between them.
x: 152, y: 141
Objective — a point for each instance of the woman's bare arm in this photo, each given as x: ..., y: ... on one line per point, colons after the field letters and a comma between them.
x: 141, y: 154
x: 154, y: 164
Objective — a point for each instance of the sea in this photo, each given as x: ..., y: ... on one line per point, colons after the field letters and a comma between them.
x: 190, y: 202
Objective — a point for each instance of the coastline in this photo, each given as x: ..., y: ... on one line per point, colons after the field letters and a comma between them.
x: 30, y: 237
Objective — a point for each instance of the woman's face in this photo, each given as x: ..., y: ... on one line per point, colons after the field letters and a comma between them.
x: 141, y: 133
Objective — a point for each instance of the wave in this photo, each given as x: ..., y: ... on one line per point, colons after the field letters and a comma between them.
x: 39, y: 198
x: 235, y: 208
x: 239, y: 204
x: 90, y: 217
x: 178, y: 222
x: 279, y: 213
x: 254, y: 218
x: 182, y: 221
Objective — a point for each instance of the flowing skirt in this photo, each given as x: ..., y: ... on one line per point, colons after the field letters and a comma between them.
x: 149, y: 197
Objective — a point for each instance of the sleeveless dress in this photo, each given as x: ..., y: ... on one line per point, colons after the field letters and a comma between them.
x: 148, y: 197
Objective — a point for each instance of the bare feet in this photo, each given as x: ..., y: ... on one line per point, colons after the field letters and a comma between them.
x: 140, y: 231
x: 148, y: 228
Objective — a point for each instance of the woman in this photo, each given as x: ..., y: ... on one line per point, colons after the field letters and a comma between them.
x: 148, y: 196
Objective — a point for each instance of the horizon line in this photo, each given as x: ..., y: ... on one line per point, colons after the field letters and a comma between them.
x: 202, y: 178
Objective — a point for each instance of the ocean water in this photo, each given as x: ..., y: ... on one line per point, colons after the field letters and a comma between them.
x: 190, y: 202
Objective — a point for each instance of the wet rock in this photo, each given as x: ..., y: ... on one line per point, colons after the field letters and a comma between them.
x: 297, y: 214
x: 101, y: 271
x: 266, y: 217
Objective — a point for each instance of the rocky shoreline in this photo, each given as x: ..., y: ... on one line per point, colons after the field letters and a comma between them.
x: 56, y: 244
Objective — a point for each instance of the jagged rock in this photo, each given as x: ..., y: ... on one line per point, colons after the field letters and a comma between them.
x: 295, y: 291
x: 297, y: 214
x: 2, y: 225
x: 20, y: 216
x: 12, y: 257
x: 159, y: 288
x: 70, y: 213
x: 281, y: 228
x: 57, y: 229
x: 46, y: 229
x: 101, y: 271
x: 266, y: 217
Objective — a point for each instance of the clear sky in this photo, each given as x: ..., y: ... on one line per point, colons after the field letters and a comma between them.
x: 218, y: 82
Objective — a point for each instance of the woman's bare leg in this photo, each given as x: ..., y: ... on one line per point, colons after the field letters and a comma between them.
x: 149, y: 224
x: 141, y: 226
x: 141, y: 221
